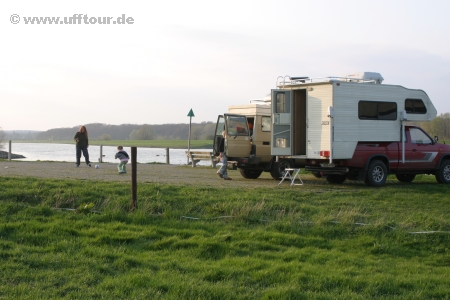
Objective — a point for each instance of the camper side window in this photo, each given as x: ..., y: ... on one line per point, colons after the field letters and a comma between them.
x: 415, y: 106
x: 266, y: 124
x: 373, y: 110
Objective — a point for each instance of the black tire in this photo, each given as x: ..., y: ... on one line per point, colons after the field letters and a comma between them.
x: 443, y: 174
x: 317, y: 174
x: 405, y: 177
x: 376, y: 174
x: 250, y: 174
x: 336, y: 178
x: 277, y: 170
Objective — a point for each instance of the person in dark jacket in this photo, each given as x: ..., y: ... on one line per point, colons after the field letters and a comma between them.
x: 123, y: 156
x: 223, y: 173
x: 82, y: 145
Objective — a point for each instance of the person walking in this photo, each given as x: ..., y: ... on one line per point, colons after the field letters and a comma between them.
x: 123, y: 156
x: 82, y: 145
x: 223, y: 173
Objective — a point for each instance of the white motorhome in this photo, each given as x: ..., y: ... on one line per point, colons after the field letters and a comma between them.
x: 317, y: 118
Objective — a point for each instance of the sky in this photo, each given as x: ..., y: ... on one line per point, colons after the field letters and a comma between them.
x: 173, y: 56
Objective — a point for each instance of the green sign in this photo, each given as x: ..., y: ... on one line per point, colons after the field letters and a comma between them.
x: 191, y: 113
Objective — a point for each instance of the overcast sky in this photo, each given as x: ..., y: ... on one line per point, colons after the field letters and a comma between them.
x: 204, y: 55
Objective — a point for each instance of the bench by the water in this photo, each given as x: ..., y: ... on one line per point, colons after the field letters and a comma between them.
x: 196, y: 156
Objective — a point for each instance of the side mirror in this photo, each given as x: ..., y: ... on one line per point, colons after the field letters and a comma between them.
x: 436, y: 138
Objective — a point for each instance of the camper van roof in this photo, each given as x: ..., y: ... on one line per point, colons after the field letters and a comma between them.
x: 359, y: 77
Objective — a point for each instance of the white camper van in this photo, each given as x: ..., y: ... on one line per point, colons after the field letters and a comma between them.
x: 354, y: 126
x: 326, y: 117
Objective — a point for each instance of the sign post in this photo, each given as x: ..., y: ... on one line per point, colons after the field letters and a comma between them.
x: 190, y: 115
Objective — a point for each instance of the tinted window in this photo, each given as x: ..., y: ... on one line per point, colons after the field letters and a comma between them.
x: 415, y: 106
x: 368, y: 110
x: 387, y: 111
x: 373, y: 110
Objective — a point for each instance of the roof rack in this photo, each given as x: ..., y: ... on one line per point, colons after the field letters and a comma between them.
x: 359, y: 77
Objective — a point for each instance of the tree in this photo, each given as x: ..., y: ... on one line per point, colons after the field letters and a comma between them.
x: 145, y: 133
x: 195, y: 132
x: 133, y: 135
x: 104, y: 137
x: 208, y: 131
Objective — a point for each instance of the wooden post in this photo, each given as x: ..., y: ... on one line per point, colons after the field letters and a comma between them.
x: 167, y: 156
x: 101, y: 154
x: 9, y: 152
x: 133, y: 178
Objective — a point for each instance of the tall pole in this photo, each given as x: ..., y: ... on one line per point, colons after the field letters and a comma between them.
x: 189, y: 138
x: 190, y: 115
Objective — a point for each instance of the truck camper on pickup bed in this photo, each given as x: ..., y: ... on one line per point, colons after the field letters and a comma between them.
x: 354, y: 127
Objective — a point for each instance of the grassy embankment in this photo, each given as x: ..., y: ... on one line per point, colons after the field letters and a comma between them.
x: 311, y: 242
x: 173, y: 144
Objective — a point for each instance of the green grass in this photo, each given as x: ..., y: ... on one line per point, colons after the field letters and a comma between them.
x: 311, y: 242
x: 174, y: 144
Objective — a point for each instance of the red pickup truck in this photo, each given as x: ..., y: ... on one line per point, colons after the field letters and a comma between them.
x: 373, y: 161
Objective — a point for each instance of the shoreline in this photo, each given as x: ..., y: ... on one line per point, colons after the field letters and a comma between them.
x: 4, y: 155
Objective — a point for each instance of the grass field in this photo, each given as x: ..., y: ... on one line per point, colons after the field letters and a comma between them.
x: 67, y: 239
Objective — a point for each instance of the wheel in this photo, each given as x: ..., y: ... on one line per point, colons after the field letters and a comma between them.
x: 443, y: 174
x: 336, y: 178
x: 277, y: 170
x: 376, y: 174
x: 250, y: 174
x: 405, y: 177
x: 317, y: 174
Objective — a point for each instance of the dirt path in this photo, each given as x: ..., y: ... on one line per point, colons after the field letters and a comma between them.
x: 159, y: 173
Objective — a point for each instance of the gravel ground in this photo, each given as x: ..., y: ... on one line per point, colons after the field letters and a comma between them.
x: 158, y: 173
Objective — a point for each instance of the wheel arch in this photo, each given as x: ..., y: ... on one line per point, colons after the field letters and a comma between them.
x: 443, y: 157
x: 383, y: 158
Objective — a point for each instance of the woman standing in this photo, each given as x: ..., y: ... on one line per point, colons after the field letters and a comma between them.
x: 82, y: 145
x: 223, y: 173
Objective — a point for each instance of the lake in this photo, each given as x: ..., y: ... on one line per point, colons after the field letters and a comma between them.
x: 66, y: 152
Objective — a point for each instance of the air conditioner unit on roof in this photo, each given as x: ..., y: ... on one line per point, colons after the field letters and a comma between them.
x: 364, y: 76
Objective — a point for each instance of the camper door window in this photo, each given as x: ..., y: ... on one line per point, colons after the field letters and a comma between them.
x: 282, y: 103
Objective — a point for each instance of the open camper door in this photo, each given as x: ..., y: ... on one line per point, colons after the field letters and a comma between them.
x: 237, y: 143
x: 282, y: 135
x: 220, y: 127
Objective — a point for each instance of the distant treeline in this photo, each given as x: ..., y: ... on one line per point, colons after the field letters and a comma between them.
x: 439, y: 126
x: 97, y: 131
